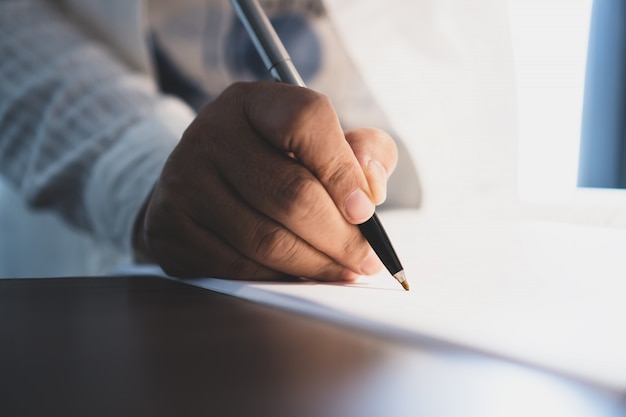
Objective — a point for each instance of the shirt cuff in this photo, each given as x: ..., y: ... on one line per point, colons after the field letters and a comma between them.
x: 123, y: 177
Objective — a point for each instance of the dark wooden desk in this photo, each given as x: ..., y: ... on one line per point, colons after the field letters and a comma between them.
x: 147, y: 346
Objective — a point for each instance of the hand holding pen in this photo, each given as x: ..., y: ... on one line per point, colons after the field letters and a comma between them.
x: 279, y: 64
x: 232, y: 203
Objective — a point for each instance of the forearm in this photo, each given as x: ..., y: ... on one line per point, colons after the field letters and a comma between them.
x: 79, y: 132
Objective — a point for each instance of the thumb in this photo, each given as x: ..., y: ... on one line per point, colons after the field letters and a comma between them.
x: 377, y: 154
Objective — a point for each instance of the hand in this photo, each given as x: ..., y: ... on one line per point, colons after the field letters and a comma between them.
x: 264, y: 184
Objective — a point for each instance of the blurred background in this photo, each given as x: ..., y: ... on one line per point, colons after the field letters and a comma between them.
x: 489, y: 96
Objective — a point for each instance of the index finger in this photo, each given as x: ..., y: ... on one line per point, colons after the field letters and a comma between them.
x: 303, y: 122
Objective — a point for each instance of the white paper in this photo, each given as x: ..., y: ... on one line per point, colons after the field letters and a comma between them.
x: 546, y: 294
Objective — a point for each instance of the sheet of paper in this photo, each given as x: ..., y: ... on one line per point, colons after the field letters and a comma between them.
x: 552, y: 295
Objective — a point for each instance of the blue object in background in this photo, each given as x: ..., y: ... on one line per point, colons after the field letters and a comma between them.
x: 298, y: 36
x: 602, y: 161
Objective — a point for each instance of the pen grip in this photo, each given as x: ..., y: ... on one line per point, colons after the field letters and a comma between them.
x: 379, y: 241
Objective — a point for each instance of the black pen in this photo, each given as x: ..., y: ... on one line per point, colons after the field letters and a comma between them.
x: 279, y: 64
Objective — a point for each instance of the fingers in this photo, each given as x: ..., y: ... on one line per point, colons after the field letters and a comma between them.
x: 265, y: 183
x: 377, y: 154
x: 259, y: 237
x: 200, y: 253
x: 307, y: 230
x: 184, y: 248
x: 301, y: 121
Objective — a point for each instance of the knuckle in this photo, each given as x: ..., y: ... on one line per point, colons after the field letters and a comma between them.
x: 277, y: 243
x: 338, y: 173
x: 318, y: 103
x: 235, y: 88
x: 310, y: 108
x: 297, y: 189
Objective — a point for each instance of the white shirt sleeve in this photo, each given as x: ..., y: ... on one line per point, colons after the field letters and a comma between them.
x: 80, y: 133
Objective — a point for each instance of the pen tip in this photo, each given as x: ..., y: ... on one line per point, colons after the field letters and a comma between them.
x: 401, y: 277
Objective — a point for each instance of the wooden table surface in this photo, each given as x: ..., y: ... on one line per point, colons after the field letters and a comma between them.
x: 147, y: 346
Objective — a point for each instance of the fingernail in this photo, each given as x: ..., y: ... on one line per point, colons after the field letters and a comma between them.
x: 380, y: 174
x: 372, y: 264
x: 358, y: 207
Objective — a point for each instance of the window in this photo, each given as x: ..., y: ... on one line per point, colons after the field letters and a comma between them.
x: 550, y: 40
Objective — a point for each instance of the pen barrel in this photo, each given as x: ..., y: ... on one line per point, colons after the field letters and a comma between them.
x: 266, y: 41
x: 285, y: 72
x: 379, y: 241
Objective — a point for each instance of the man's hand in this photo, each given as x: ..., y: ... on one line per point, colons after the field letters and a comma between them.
x: 265, y: 184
